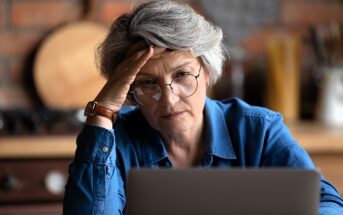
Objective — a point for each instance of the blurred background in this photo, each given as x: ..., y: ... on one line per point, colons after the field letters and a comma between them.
x: 286, y: 55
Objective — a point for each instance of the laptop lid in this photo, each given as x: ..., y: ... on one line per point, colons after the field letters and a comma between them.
x: 223, y: 191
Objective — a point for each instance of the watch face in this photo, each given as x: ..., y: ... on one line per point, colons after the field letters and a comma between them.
x: 89, y: 109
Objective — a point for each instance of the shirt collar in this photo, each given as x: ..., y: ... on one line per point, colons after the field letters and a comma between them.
x: 218, y: 141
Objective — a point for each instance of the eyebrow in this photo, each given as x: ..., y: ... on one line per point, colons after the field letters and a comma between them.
x: 174, y: 69
x: 182, y: 65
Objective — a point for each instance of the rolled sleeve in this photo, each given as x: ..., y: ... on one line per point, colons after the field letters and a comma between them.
x: 94, y: 180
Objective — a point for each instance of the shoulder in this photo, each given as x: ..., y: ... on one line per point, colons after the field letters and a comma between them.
x: 128, y: 135
x: 235, y: 108
x: 127, y: 124
x: 132, y: 128
x: 127, y: 110
x: 129, y: 116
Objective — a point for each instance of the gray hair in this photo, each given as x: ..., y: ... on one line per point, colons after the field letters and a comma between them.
x: 165, y: 24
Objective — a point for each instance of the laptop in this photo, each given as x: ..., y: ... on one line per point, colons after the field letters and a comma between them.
x: 223, y: 191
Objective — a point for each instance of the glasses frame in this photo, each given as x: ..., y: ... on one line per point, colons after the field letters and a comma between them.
x: 132, y: 92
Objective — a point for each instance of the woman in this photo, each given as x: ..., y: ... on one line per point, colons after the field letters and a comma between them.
x: 162, y: 57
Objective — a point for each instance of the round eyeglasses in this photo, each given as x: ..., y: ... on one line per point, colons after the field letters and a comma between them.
x: 149, y: 93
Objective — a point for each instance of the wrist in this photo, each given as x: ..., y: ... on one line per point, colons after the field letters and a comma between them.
x: 100, y: 121
x: 94, y: 108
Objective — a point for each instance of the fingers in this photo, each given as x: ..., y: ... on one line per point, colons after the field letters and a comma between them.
x: 157, y: 52
x: 142, y: 44
x: 145, y: 57
x: 116, y: 89
x: 141, y: 57
x: 126, y: 71
x: 138, y: 60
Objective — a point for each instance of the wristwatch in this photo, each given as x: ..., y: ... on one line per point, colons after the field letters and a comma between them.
x: 93, y: 108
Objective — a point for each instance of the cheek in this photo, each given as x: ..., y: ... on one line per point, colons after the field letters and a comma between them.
x: 202, y: 90
x: 197, y: 101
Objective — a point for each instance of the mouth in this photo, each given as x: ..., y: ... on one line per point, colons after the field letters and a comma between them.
x: 172, y: 115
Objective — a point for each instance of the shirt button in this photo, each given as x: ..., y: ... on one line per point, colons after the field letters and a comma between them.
x: 105, y: 149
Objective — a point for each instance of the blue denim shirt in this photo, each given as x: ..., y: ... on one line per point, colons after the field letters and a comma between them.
x: 237, y: 135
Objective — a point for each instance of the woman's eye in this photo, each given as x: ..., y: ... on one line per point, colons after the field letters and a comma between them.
x: 182, y: 74
x: 147, y: 82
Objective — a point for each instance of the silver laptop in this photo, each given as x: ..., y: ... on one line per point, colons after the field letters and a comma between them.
x: 223, y: 191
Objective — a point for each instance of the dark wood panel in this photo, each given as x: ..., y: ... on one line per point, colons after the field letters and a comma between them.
x: 26, y: 180
x: 32, y: 209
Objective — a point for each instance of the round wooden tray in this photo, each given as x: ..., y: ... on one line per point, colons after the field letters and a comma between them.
x: 65, y: 72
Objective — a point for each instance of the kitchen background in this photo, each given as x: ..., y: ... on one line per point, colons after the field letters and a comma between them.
x: 285, y: 54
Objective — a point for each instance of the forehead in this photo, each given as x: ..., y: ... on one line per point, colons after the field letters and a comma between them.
x: 169, y: 60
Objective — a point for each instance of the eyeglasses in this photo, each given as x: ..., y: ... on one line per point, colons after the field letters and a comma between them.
x: 149, y: 93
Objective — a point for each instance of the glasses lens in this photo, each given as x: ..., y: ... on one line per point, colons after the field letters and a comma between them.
x: 147, y: 94
x: 184, y: 86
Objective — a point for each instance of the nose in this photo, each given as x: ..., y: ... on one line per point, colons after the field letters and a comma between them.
x: 168, y: 98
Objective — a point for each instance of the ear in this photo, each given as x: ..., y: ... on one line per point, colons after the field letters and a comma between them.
x: 205, y: 72
x: 207, y: 76
x: 209, y: 86
x: 207, y: 80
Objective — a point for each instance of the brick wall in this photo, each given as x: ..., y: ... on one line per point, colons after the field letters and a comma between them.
x: 25, y: 23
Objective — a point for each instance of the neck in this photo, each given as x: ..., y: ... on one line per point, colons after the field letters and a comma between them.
x: 186, y: 149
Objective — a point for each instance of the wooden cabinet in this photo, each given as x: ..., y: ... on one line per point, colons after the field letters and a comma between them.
x: 33, y: 173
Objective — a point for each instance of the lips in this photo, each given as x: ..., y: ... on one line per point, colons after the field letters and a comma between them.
x: 172, y: 115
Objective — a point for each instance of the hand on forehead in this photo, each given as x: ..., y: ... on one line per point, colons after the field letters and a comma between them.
x: 158, y: 52
x: 142, y: 44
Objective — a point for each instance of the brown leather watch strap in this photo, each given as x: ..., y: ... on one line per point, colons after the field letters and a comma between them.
x: 93, y: 108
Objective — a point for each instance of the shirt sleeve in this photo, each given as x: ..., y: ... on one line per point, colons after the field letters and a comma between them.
x: 283, y: 150
x: 95, y: 184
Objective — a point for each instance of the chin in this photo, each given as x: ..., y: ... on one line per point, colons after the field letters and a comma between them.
x: 174, y: 127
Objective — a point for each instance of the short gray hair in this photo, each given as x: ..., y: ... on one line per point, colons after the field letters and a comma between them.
x: 165, y: 24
